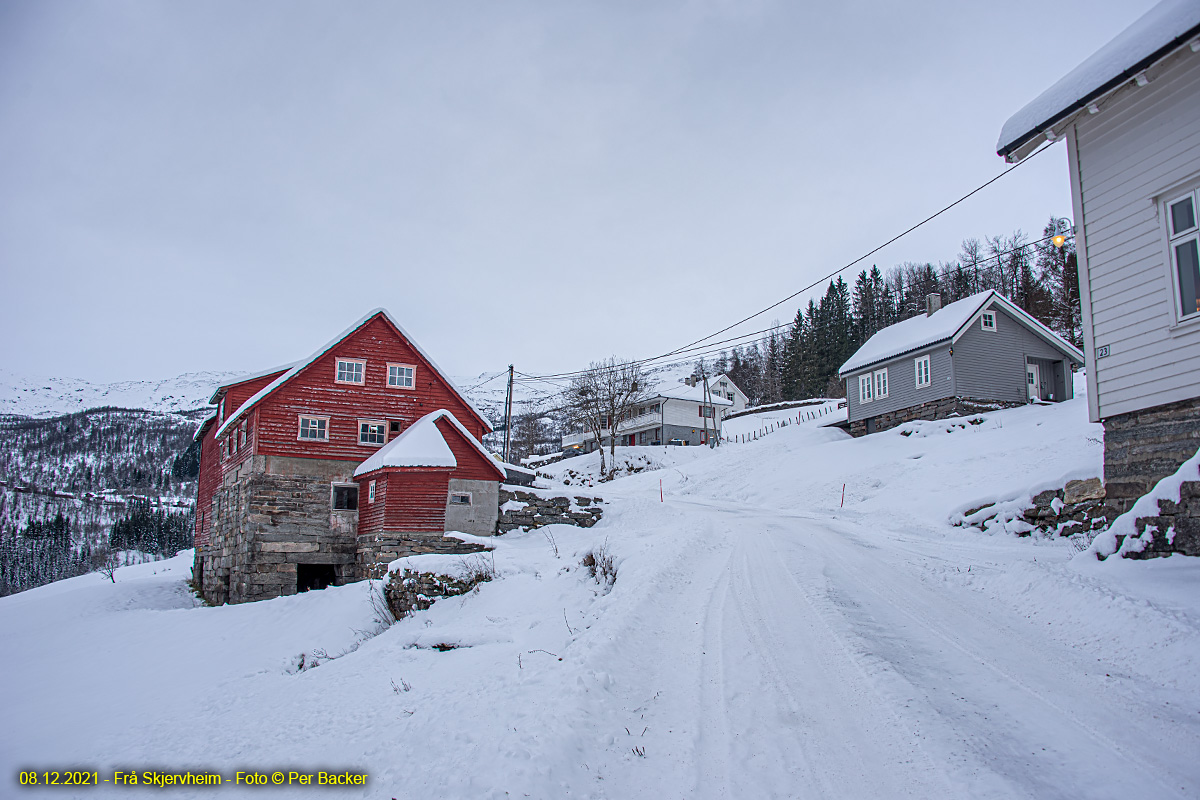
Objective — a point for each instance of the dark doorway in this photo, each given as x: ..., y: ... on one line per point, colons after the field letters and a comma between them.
x: 314, y: 576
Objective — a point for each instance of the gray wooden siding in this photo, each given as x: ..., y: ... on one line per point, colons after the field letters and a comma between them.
x: 1144, y: 143
x: 902, y: 383
x: 990, y: 365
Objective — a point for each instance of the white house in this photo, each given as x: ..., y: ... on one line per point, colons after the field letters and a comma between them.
x: 1130, y: 115
x: 672, y: 412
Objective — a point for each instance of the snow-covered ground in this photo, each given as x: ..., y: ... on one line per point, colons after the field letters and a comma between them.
x: 763, y: 638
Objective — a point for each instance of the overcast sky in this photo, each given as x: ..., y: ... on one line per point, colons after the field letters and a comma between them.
x: 226, y: 185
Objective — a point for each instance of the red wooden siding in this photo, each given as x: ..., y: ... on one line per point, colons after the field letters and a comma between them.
x: 314, y: 392
x: 209, y: 480
x: 370, y: 515
x: 472, y: 465
x: 411, y: 500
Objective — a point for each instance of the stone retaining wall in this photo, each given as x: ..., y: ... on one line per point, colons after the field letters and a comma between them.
x: 539, y: 511
x: 1176, y: 529
x: 376, y: 551
x: 410, y: 591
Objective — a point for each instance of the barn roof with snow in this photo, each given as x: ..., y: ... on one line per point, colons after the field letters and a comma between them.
x: 299, y: 366
x: 945, y: 325
x: 424, y: 445
x: 1169, y: 25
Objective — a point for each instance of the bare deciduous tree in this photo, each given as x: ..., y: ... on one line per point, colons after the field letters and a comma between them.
x: 604, y: 395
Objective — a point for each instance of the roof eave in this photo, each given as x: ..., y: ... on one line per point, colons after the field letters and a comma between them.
x: 1024, y: 145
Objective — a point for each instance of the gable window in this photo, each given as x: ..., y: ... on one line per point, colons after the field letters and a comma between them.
x: 401, y: 376
x: 371, y: 492
x: 372, y: 432
x: 864, y: 389
x: 350, y: 370
x: 314, y: 428
x: 1184, y: 239
x: 988, y: 321
x: 345, y: 497
x: 460, y: 499
x: 922, y: 367
x: 881, y: 383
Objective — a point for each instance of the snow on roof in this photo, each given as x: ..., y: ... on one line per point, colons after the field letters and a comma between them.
x: 300, y: 365
x: 423, y: 445
x: 681, y: 391
x: 1160, y: 30
x: 204, y: 423
x: 249, y: 377
x: 944, y: 325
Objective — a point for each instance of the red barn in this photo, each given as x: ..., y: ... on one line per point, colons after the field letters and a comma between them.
x: 278, y: 504
x: 403, y: 490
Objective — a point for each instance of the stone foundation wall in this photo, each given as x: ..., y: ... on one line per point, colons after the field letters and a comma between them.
x: 376, y: 551
x: 1176, y: 529
x: 264, y: 526
x: 1143, y: 447
x: 933, y: 410
x: 539, y: 511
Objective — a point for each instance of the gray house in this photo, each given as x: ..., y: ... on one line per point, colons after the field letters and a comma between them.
x: 1131, y: 117
x: 977, y: 353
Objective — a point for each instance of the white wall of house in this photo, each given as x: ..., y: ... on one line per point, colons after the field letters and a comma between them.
x: 1140, y: 151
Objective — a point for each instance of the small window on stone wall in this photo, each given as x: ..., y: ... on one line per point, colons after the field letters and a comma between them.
x: 460, y: 499
x: 345, y: 497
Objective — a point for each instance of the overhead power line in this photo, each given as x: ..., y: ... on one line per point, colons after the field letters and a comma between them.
x: 692, y: 346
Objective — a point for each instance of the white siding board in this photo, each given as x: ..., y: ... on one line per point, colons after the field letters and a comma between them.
x: 1144, y: 142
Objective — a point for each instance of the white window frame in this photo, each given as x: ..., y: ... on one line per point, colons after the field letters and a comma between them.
x: 460, y: 494
x: 880, y: 377
x: 983, y: 321
x: 362, y: 370
x: 371, y: 492
x: 300, y: 428
x: 333, y: 487
x: 1174, y: 240
x: 865, y: 383
x: 412, y: 379
x: 923, y: 378
x: 382, y: 423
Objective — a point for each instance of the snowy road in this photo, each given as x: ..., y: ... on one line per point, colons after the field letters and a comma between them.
x: 804, y: 657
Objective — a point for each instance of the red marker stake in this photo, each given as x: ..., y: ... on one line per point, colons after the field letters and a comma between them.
x: 660, y: 493
x: 843, y: 505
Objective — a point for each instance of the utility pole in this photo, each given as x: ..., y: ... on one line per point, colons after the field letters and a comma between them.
x: 508, y: 415
x: 705, y: 398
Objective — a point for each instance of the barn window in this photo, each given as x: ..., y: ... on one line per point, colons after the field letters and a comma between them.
x: 395, y: 426
x: 372, y: 432
x: 371, y: 492
x: 314, y: 428
x: 350, y: 370
x: 460, y: 499
x: 345, y: 497
x: 988, y: 321
x: 401, y: 376
x: 1184, y: 239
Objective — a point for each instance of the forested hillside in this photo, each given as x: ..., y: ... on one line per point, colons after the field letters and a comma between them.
x: 73, y: 485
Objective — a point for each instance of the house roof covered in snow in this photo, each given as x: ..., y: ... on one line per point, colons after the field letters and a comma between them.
x: 681, y: 391
x: 1164, y: 28
x: 944, y: 325
x: 300, y: 365
x: 220, y: 390
x: 424, y: 445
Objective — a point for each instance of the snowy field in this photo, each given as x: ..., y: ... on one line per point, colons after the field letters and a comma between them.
x: 792, y: 617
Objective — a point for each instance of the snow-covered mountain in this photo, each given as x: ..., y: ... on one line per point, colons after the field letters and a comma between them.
x: 50, y: 397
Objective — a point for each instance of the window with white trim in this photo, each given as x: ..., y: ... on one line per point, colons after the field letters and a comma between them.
x: 350, y: 370
x: 881, y: 383
x: 922, y: 368
x: 371, y: 492
x: 1183, y: 235
x: 372, y: 432
x: 345, y: 497
x: 987, y: 321
x: 314, y: 429
x: 460, y: 499
x: 865, y: 394
x: 706, y: 411
x: 401, y: 376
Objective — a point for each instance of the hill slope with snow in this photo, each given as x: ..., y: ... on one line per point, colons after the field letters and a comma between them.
x: 763, y: 638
